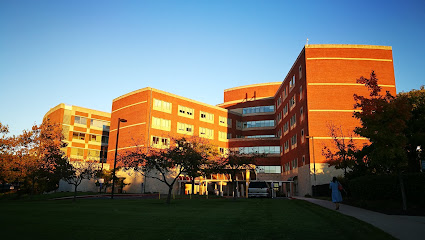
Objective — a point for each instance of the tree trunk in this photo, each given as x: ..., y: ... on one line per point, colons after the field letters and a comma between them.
x: 75, y: 192
x: 170, y: 190
x: 235, y: 187
x: 193, y: 186
x: 403, y: 191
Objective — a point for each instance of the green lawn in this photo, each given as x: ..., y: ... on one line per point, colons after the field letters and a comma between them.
x: 182, y: 219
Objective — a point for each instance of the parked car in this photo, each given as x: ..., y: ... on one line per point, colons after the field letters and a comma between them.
x: 258, y: 189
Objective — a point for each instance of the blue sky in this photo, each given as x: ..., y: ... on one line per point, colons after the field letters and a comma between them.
x: 87, y: 53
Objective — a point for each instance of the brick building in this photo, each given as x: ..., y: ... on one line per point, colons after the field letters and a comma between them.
x: 288, y: 120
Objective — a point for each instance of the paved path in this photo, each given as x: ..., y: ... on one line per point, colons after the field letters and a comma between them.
x: 401, y: 227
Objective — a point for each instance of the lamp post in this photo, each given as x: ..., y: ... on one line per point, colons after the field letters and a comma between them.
x: 115, y: 159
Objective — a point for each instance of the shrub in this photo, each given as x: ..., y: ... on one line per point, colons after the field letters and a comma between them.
x: 387, y: 187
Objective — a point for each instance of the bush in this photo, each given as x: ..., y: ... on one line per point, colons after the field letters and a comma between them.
x: 387, y: 187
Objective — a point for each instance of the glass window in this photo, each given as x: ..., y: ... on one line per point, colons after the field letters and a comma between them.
x: 162, y: 106
x: 80, y: 120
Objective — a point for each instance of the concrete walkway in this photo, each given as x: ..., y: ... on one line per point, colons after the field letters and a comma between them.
x: 401, y: 227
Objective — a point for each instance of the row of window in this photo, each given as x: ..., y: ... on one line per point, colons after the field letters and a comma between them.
x: 268, y: 169
x: 293, y: 164
x: 260, y: 149
x: 256, y: 124
x: 91, y: 154
x: 188, y: 112
x: 259, y: 109
x: 92, y: 137
x: 93, y: 122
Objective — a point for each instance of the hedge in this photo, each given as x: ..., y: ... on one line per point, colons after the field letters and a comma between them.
x: 387, y: 187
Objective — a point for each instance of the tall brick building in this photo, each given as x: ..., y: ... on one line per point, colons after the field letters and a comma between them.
x: 288, y: 120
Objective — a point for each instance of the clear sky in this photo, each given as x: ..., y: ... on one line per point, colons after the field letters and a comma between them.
x: 87, y: 53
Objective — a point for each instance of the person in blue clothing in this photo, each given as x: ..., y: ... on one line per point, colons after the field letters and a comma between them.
x: 336, y: 193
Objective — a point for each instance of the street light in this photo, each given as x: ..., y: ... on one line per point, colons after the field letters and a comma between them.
x: 116, y: 153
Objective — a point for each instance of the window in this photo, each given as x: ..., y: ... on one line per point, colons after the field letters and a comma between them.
x: 255, y: 124
x: 301, y: 114
x: 105, y: 139
x: 80, y: 120
x: 286, y: 147
x: 99, y: 124
x: 223, y: 151
x: 239, y: 124
x: 279, y: 117
x: 285, y: 110
x: 260, y: 136
x: 301, y: 92
x: 303, y: 160
x: 260, y: 149
x: 222, y: 136
x: 162, y: 124
x: 162, y: 106
x: 295, y: 163
x: 259, y: 109
x: 287, y: 167
x: 185, y: 112
x: 293, y: 121
x: 78, y: 136
x: 302, y: 136
x: 103, y: 154
x: 268, y: 169
x: 292, y: 83
x: 160, y: 142
x: 279, y: 101
x: 93, y: 154
x: 206, y: 133
x: 95, y: 138
x: 285, y: 92
x: 279, y: 133
x: 206, y: 117
x: 294, y: 141
x: 292, y: 102
x: 184, y: 128
x: 77, y: 153
x: 285, y: 128
x: 300, y: 72
x: 224, y: 121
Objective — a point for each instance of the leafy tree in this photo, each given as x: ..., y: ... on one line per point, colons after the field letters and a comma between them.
x: 166, y: 165
x: 106, y: 175
x: 415, y: 131
x: 343, y: 156
x: 76, y: 171
x: 234, y: 163
x: 33, y: 158
x: 197, y: 154
x: 384, y: 120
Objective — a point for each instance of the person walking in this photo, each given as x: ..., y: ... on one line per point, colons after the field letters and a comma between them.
x: 335, y: 186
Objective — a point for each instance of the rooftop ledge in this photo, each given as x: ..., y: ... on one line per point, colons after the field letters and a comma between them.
x: 348, y: 46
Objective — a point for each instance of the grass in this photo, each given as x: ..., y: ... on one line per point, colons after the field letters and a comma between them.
x: 182, y: 219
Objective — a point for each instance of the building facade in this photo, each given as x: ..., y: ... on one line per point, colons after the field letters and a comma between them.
x: 86, y: 132
x: 288, y: 120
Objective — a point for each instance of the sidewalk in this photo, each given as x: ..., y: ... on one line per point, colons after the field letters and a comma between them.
x: 401, y: 227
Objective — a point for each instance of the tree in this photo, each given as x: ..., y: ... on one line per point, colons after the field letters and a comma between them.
x: 166, y: 165
x: 76, y: 171
x: 34, y: 158
x: 415, y: 131
x: 343, y: 157
x: 384, y: 120
x: 233, y: 163
x: 198, y: 154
